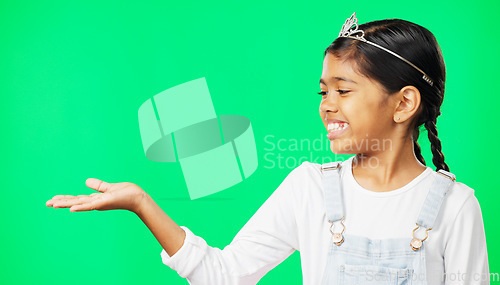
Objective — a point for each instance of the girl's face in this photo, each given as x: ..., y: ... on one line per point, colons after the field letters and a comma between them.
x: 356, y: 111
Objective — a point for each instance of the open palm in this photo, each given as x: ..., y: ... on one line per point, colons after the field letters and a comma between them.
x: 112, y: 196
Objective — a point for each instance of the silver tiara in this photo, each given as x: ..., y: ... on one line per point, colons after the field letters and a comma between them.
x: 350, y: 30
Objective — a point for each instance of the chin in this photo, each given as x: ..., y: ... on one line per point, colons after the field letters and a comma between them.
x: 337, y: 147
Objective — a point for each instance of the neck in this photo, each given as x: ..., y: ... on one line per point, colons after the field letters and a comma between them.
x: 388, y: 169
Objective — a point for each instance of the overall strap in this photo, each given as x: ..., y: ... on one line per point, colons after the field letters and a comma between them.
x: 430, y: 209
x: 333, y: 190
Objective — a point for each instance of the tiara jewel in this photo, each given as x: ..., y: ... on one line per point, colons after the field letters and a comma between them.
x: 350, y: 30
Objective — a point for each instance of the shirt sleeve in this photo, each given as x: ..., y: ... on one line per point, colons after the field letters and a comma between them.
x: 268, y: 238
x: 466, y: 257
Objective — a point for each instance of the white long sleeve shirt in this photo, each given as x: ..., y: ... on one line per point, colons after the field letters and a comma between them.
x: 294, y: 218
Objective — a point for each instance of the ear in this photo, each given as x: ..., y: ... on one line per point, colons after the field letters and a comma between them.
x: 407, y: 104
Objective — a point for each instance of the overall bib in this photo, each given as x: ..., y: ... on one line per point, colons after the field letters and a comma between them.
x: 359, y: 260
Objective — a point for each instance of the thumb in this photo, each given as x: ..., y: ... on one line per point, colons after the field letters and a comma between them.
x: 97, y: 184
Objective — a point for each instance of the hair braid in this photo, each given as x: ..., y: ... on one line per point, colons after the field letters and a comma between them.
x: 416, y: 146
x: 437, y: 155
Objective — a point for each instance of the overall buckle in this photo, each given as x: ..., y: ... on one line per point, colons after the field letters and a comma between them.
x: 337, y: 238
x: 446, y: 174
x: 330, y: 165
x: 416, y: 243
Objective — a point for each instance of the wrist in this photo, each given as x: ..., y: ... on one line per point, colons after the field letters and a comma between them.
x: 142, y: 200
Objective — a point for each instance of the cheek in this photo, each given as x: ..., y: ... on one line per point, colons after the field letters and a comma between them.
x: 365, y: 119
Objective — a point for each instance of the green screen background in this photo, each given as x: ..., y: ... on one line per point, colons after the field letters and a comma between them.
x: 74, y: 73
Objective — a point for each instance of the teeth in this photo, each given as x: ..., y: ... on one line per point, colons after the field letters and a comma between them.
x: 337, y: 126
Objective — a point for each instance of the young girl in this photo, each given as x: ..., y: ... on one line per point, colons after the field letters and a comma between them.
x: 380, y: 217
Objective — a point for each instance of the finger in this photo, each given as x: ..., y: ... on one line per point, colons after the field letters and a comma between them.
x: 98, y: 185
x: 66, y: 203
x: 90, y: 206
x: 62, y: 196
x: 56, y: 198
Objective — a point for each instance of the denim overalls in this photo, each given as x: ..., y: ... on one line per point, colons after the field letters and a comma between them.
x: 359, y: 260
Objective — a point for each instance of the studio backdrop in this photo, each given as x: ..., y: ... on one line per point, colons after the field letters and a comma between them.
x: 207, y: 106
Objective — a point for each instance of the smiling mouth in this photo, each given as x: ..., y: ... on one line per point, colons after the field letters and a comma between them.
x: 337, y: 126
x: 336, y: 129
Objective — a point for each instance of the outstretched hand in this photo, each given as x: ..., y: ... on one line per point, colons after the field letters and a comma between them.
x: 112, y: 196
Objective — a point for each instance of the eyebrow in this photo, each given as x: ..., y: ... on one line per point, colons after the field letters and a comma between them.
x: 336, y: 78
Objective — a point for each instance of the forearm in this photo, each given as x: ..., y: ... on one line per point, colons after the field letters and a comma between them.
x: 166, y: 231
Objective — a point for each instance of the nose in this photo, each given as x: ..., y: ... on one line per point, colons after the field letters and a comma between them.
x: 328, y: 104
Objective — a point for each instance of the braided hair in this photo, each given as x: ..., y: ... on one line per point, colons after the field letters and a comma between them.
x: 419, y: 46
